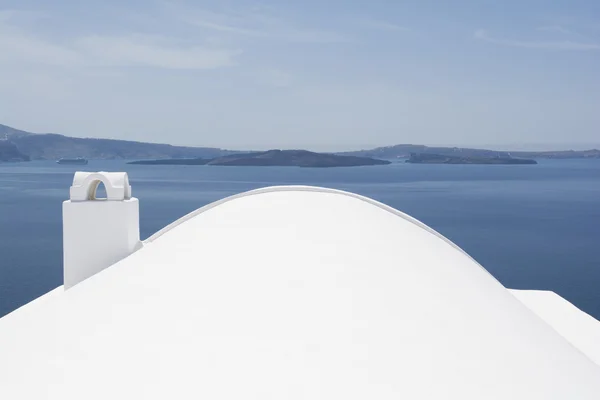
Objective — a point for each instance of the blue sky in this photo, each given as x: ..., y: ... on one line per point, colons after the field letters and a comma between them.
x: 311, y: 74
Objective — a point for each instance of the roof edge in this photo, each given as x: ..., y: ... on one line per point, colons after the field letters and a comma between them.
x: 300, y: 188
x: 576, y: 326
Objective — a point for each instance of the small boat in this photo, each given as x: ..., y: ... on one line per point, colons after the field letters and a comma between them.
x: 73, y: 161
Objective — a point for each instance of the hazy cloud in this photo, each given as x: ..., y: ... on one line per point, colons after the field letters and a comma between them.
x: 275, y: 78
x: 549, y: 45
x: 151, y: 51
x: 253, y: 24
x: 225, y: 28
x: 18, y: 45
x: 557, y: 29
x: 381, y: 25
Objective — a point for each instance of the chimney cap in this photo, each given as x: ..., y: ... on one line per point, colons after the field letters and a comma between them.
x: 85, y: 185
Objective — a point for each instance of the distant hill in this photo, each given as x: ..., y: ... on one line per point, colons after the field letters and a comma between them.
x: 405, y: 150
x: 52, y: 146
x: 10, y: 152
x: 278, y: 158
x: 7, y: 131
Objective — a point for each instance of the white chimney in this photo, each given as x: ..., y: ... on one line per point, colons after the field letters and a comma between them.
x: 98, y: 232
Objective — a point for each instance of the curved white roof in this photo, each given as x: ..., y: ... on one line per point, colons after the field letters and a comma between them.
x: 290, y: 293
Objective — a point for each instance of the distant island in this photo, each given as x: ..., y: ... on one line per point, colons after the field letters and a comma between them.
x: 172, y: 161
x: 19, y: 145
x: 275, y: 158
x: 425, y: 158
x: 405, y: 151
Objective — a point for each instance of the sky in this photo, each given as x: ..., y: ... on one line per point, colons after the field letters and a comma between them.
x: 320, y: 75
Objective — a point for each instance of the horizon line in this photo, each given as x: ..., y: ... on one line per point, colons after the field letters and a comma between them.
x: 524, y: 146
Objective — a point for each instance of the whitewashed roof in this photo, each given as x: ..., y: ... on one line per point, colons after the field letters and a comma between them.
x: 290, y: 293
x: 579, y: 328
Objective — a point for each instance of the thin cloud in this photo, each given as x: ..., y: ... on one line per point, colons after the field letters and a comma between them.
x: 381, y: 25
x: 275, y: 78
x: 548, y: 45
x: 6, y: 15
x: 20, y: 46
x: 225, y: 28
x: 17, y: 46
x: 300, y: 35
x: 561, y: 30
x: 218, y: 22
x: 252, y: 25
x: 136, y: 50
x: 21, y: 16
x: 556, y: 29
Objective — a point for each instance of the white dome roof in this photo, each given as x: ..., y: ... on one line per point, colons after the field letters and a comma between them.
x: 290, y: 293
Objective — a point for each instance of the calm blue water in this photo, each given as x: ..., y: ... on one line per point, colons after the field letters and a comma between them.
x: 535, y: 227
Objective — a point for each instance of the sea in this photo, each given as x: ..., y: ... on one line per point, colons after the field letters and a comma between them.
x: 530, y: 226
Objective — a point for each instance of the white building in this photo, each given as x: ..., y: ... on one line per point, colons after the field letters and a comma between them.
x: 285, y: 293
